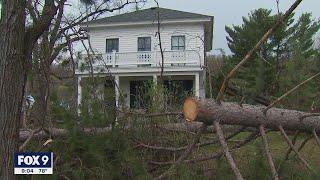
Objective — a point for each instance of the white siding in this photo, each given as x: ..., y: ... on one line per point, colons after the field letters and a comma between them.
x: 128, y: 36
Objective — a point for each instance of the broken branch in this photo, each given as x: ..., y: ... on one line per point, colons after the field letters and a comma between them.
x: 290, y: 91
x: 268, y: 153
x: 316, y: 137
x: 249, y: 54
x: 295, y: 150
x: 184, y: 155
x: 226, y: 151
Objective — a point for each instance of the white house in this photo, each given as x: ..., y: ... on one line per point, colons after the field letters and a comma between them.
x: 127, y: 47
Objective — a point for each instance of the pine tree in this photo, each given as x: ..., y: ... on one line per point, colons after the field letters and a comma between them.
x: 260, y: 73
x: 302, y: 38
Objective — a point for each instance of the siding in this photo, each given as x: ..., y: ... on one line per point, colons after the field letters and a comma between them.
x: 128, y: 36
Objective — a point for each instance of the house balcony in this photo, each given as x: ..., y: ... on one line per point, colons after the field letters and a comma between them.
x: 151, y: 59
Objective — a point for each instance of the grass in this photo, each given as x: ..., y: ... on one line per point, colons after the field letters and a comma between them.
x: 252, y: 162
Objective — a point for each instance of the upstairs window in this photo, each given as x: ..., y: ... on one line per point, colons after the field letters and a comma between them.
x: 144, y: 43
x: 112, y: 45
x: 178, y: 43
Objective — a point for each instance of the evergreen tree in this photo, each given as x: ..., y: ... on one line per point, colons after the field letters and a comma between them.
x: 261, y: 75
x: 302, y: 38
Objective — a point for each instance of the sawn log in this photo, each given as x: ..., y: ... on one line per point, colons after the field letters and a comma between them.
x: 229, y: 113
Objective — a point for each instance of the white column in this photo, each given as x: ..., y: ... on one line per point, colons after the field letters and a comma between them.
x: 197, y: 85
x: 113, y: 58
x: 117, y: 89
x: 155, y: 79
x: 203, y: 85
x: 79, y: 97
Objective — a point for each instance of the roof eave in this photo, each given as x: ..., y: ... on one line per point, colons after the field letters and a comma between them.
x: 93, y: 25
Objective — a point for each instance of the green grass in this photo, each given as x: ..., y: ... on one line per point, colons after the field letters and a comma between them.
x: 252, y: 162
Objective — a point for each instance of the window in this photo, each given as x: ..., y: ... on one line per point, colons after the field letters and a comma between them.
x: 112, y: 45
x: 144, y: 43
x: 178, y: 43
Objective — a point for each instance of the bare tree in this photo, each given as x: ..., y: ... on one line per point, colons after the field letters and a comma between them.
x: 17, y: 42
x: 62, y: 33
x: 158, y: 16
x: 12, y: 80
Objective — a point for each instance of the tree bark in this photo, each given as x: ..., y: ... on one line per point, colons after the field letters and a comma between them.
x: 275, y: 175
x: 41, y: 57
x: 57, y: 132
x: 178, y: 127
x: 12, y: 80
x: 208, y: 111
x: 226, y: 151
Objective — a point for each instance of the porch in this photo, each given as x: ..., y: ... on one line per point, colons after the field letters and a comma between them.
x: 131, y: 90
x: 142, y: 59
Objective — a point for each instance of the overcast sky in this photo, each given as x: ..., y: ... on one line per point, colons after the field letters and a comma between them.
x: 228, y: 12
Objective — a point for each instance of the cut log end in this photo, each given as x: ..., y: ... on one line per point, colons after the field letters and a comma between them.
x: 208, y: 111
x: 190, y: 109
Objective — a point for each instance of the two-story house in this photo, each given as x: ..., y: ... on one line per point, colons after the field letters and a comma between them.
x: 128, y: 49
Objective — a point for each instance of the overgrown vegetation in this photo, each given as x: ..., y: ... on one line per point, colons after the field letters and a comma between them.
x: 125, y: 151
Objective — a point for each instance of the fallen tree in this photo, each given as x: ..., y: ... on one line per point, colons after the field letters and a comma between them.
x: 177, y: 127
x: 57, y: 132
x: 208, y: 111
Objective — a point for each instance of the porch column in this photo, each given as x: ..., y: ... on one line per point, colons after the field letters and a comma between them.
x: 197, y: 85
x: 155, y: 79
x: 79, y: 96
x: 117, y: 89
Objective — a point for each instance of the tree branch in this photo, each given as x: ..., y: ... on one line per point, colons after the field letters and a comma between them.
x: 59, y: 47
x: 295, y: 150
x: 32, y: 11
x: 227, y: 153
x: 198, y: 145
x: 289, y: 92
x: 98, y: 11
x: 268, y: 153
x: 250, y: 138
x: 316, y: 137
x: 249, y: 54
x: 54, y: 32
x: 309, y: 115
x: 28, y: 139
x: 184, y: 155
x: 35, y: 31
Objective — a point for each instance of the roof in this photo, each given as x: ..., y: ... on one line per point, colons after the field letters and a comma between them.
x: 149, y: 15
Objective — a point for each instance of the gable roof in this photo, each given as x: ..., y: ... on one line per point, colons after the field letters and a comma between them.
x: 149, y: 15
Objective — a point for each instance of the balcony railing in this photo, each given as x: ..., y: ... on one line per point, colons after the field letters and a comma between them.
x: 140, y: 59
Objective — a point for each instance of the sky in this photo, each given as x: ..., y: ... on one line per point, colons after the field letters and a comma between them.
x: 230, y: 12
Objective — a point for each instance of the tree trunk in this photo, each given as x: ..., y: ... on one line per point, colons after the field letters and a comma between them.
x: 12, y: 81
x: 41, y: 91
x: 178, y: 127
x: 57, y: 132
x: 208, y: 111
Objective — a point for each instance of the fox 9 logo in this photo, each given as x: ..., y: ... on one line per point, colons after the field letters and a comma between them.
x: 33, y: 162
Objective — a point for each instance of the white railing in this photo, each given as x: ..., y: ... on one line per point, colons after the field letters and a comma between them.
x: 152, y: 58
